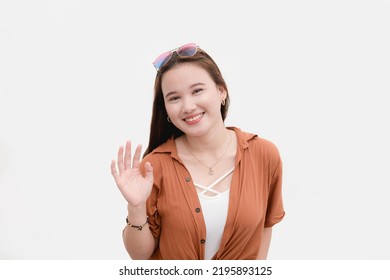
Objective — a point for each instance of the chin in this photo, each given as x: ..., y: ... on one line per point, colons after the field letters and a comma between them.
x: 195, y: 131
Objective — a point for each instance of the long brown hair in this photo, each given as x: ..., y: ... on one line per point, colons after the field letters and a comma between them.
x: 160, y: 129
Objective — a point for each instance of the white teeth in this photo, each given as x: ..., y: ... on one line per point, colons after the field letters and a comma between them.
x: 194, y: 118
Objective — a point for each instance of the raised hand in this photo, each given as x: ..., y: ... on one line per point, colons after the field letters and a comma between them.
x: 133, y: 185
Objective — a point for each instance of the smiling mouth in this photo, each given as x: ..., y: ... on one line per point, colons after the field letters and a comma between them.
x: 197, y: 117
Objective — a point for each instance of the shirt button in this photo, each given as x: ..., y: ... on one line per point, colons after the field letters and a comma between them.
x: 202, y: 241
x: 197, y: 210
x: 188, y: 179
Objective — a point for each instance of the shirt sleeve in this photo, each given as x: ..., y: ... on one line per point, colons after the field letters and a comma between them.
x: 152, y: 212
x: 152, y: 202
x: 275, y: 209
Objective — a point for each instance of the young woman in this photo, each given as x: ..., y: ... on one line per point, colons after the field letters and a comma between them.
x: 202, y: 190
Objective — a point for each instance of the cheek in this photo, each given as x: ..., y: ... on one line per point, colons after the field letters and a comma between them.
x: 215, y: 103
x: 172, y: 110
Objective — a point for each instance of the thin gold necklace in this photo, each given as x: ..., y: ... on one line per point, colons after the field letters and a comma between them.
x: 211, y: 171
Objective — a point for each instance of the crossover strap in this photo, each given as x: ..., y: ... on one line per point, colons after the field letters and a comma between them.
x: 209, y: 188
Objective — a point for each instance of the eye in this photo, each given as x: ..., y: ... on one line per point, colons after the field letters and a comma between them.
x: 198, y: 90
x: 173, y: 98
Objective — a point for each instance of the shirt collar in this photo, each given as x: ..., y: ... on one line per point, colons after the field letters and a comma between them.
x: 169, y: 146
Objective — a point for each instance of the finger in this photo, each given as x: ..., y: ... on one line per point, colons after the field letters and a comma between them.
x: 114, y: 172
x: 137, y: 157
x: 121, y: 166
x: 128, y: 155
x: 148, y: 171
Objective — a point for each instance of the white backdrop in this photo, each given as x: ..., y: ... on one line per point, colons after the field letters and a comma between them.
x: 76, y: 81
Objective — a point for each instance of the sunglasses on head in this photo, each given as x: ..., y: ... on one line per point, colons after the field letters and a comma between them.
x: 184, y: 51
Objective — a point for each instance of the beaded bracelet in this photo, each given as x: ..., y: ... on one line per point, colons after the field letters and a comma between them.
x: 137, y: 227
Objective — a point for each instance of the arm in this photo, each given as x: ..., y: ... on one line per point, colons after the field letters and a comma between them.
x: 274, y: 211
x: 135, y: 188
x: 265, y: 242
x: 140, y: 244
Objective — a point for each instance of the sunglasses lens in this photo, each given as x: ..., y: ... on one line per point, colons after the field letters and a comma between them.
x: 162, y: 59
x: 188, y: 50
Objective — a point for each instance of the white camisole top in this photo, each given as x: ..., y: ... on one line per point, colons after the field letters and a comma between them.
x: 215, y: 210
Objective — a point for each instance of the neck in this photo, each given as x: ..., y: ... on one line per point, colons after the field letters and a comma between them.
x: 211, y: 143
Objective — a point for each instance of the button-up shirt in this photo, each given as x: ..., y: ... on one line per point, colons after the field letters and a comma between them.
x: 255, y: 202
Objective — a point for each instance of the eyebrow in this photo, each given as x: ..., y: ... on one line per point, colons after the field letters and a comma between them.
x: 192, y: 86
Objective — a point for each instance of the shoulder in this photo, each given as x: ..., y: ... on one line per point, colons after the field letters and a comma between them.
x: 162, y: 157
x: 162, y: 152
x: 265, y: 146
x: 257, y: 145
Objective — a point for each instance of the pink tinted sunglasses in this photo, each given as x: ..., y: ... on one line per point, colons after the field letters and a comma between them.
x: 184, y: 51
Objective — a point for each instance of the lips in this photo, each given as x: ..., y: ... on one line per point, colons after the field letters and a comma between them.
x: 193, y: 118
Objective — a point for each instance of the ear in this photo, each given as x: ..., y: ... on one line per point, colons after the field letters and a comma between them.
x: 222, y: 92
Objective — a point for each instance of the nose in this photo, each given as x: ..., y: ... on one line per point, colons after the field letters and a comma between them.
x: 188, y: 105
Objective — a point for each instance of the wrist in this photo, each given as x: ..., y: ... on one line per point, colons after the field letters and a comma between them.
x: 139, y: 226
x: 136, y: 214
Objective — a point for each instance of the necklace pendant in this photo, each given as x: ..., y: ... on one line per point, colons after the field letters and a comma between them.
x: 211, y: 171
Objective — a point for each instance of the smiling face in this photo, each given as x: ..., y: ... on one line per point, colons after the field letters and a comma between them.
x: 192, y: 99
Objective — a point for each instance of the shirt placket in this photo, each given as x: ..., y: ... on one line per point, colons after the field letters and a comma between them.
x: 193, y: 203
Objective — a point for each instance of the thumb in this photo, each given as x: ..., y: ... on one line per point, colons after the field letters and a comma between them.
x: 148, y: 170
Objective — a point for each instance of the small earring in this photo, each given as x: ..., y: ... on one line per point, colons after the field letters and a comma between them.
x: 223, y: 102
x: 169, y: 119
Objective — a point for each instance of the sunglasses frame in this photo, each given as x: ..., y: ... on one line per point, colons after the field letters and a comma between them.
x: 165, y: 57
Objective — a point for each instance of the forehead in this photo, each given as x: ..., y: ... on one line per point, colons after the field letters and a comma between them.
x: 183, y: 75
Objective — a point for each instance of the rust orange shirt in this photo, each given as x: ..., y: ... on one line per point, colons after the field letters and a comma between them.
x: 255, y: 202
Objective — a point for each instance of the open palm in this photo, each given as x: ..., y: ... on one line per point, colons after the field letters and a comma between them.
x: 133, y: 185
